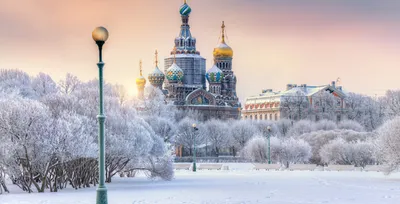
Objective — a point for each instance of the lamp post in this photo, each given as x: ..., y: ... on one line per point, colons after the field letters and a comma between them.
x: 194, y: 146
x: 269, y: 144
x: 100, y: 36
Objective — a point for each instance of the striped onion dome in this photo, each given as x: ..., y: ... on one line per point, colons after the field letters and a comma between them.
x: 185, y: 9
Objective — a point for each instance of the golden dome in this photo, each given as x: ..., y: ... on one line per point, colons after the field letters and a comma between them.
x: 140, y: 81
x: 223, y: 50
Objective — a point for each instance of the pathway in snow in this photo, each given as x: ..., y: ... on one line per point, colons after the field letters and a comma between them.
x: 235, y: 187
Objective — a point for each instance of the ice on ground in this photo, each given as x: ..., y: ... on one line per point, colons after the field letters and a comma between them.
x: 234, y: 187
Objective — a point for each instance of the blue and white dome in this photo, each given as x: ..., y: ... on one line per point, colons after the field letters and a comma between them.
x: 185, y: 9
x: 214, y: 75
x: 156, y: 77
x: 174, y: 73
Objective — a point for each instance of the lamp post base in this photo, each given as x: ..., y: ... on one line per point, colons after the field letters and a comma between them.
x: 101, y: 195
x: 194, y: 167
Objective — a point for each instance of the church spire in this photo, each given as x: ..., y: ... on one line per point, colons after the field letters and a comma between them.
x: 140, y: 82
x: 156, y: 58
x: 223, y: 32
x: 140, y: 67
x: 175, y: 54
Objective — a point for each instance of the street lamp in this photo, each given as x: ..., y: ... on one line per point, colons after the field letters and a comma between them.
x: 194, y: 146
x: 100, y: 36
x: 269, y: 144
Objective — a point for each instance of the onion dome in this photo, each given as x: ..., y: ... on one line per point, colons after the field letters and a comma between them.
x: 223, y: 50
x: 214, y: 75
x: 140, y: 81
x: 156, y: 78
x: 174, y: 73
x: 185, y: 9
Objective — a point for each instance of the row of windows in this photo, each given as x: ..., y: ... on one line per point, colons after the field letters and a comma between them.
x: 266, y: 117
x: 189, y: 43
x: 224, y: 65
x: 215, y: 89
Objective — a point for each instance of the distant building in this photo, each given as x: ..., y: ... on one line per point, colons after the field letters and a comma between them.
x: 297, y: 102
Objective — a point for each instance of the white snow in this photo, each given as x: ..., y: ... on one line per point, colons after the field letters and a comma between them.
x: 237, y: 186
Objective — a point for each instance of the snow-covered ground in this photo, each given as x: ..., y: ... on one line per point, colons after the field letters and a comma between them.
x: 235, y: 187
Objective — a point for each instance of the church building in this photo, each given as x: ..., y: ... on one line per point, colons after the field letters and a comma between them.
x: 185, y: 77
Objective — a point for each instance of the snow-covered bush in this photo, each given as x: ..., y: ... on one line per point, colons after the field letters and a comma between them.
x: 318, y: 139
x: 256, y: 149
x: 340, y: 151
x: 325, y: 125
x: 301, y: 127
x: 351, y: 125
x: 282, y: 151
x: 295, y: 151
x: 389, y: 143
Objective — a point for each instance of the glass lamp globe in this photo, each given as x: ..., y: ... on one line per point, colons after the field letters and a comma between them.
x: 100, y: 34
x: 194, y: 125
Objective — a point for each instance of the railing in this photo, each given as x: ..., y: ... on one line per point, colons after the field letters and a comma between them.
x: 211, y: 159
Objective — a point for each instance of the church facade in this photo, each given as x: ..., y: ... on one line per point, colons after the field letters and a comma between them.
x: 185, y: 80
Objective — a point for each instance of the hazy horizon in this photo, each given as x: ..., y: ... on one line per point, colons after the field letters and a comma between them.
x: 275, y: 42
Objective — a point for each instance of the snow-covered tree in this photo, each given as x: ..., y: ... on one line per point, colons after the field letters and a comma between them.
x: 217, y: 133
x: 325, y: 125
x: 284, y: 126
x: 325, y: 105
x: 392, y: 103
x: 318, y: 139
x: 256, y: 149
x: 16, y: 81
x: 69, y: 84
x: 43, y: 85
x: 241, y: 132
x: 163, y: 127
x: 295, y: 106
x: 351, y: 125
x: 185, y: 134
x: 339, y: 151
x: 389, y: 143
x: 294, y: 151
x: 301, y: 127
x: 365, y: 110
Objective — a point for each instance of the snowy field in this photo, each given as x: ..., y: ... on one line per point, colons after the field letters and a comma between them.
x: 235, y: 187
